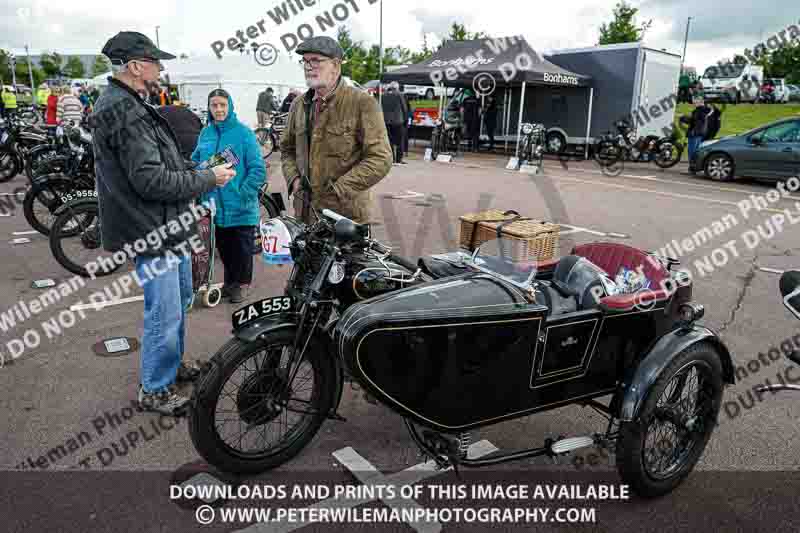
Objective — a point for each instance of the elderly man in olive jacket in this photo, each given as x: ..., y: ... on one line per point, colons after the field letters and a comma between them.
x: 335, y: 147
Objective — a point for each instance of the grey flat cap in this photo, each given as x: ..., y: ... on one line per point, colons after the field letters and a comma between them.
x: 321, y: 45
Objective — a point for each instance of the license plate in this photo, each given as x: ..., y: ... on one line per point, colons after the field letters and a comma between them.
x: 266, y: 307
x: 78, y: 195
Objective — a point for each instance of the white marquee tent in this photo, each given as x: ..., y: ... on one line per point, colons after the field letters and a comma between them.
x: 238, y: 74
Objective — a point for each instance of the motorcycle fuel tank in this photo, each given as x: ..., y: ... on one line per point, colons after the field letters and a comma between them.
x: 451, y: 354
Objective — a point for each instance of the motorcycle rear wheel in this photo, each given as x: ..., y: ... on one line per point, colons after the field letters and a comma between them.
x: 78, y: 229
x: 252, y: 405
x: 607, y: 154
x: 672, y: 160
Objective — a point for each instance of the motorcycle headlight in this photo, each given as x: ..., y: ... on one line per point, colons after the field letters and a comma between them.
x: 336, y: 273
x: 527, y: 129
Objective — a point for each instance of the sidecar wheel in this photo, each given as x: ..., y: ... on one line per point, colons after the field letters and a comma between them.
x: 660, y: 448
x: 234, y: 415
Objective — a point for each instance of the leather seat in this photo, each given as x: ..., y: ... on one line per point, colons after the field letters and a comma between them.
x: 611, y: 257
x: 576, y: 277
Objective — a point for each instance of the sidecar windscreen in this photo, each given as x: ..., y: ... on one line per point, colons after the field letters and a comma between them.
x: 584, y: 280
x: 498, y: 256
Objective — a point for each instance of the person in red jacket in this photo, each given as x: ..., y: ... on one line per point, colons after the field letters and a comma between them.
x: 52, y: 107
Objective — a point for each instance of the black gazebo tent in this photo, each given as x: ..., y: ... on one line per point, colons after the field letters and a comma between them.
x: 509, y: 61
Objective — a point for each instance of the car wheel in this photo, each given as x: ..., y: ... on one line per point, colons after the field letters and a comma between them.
x: 719, y: 167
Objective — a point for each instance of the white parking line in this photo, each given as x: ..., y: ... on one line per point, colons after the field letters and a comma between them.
x: 770, y: 270
x: 32, y: 232
x: 369, y: 475
x: 101, y: 305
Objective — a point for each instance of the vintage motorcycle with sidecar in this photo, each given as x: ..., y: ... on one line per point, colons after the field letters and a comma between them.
x: 457, y: 342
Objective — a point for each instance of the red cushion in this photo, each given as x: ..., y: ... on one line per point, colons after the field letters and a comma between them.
x: 611, y: 256
x: 643, y: 300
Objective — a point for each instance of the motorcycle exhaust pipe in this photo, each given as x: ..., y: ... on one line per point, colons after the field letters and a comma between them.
x: 776, y: 388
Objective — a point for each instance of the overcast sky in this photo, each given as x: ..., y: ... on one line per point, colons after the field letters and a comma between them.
x: 718, y: 30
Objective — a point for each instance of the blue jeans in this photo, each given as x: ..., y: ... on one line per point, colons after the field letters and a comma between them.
x: 694, y: 144
x: 167, y: 294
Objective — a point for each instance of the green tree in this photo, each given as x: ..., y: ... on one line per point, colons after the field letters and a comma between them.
x: 784, y: 63
x: 459, y: 32
x: 101, y: 66
x: 24, y: 77
x: 5, y: 70
x: 75, y: 68
x: 623, y: 28
x: 52, y: 64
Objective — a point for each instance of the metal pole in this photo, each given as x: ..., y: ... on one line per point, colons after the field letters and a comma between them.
x: 589, y: 122
x: 506, y: 116
x: 521, y: 108
x: 30, y: 73
x: 380, y: 68
x: 685, y: 41
x: 158, y: 43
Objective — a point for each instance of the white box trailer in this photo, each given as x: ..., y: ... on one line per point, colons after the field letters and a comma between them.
x: 631, y: 82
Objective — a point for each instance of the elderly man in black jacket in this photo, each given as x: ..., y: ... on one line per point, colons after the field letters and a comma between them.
x: 146, y: 191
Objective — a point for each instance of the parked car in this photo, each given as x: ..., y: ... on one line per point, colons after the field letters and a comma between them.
x: 732, y: 83
x: 781, y: 91
x: 794, y: 93
x: 429, y: 93
x: 767, y: 152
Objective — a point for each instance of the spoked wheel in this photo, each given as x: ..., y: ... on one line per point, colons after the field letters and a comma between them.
x: 10, y: 166
x: 607, y: 154
x: 40, y: 204
x: 244, y: 420
x: 657, y: 451
x: 668, y: 155
x: 75, y: 241
x: 267, y: 141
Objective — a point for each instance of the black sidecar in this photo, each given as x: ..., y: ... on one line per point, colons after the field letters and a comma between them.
x: 472, y: 350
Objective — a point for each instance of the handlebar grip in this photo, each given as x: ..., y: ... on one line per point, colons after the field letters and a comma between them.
x: 402, y: 261
x: 333, y: 216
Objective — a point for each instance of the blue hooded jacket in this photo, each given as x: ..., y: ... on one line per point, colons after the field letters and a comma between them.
x: 236, y: 202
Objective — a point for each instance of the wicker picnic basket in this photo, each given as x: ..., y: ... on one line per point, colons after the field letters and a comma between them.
x: 526, y: 239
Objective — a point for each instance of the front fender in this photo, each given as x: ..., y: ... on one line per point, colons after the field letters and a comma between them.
x: 251, y: 332
x: 73, y: 204
x: 659, y: 357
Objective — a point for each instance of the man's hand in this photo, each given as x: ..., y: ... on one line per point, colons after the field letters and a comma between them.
x: 224, y: 174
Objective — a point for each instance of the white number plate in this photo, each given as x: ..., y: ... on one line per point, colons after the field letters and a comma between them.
x: 78, y: 195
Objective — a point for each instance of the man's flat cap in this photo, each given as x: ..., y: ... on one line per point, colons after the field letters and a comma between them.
x: 321, y: 45
x: 127, y: 45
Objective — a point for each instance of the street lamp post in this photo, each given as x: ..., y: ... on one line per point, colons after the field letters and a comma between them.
x: 30, y: 69
x: 380, y: 68
x: 158, y: 43
x: 685, y: 41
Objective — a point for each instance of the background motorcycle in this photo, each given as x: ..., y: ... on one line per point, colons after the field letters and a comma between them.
x: 533, y: 144
x: 17, y: 140
x: 790, y: 291
x: 267, y: 135
x: 72, y: 169
x: 611, y: 148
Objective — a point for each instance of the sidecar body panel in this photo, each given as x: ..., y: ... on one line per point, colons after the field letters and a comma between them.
x: 470, y: 350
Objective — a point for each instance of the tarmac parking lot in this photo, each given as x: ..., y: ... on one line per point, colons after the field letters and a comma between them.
x: 65, y: 407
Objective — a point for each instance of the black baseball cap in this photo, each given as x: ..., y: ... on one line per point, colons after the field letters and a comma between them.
x: 127, y: 45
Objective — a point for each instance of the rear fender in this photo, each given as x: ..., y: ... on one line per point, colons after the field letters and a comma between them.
x: 660, y: 355
x: 253, y: 331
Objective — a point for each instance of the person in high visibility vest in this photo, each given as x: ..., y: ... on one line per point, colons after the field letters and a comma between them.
x: 42, y: 95
x: 9, y: 100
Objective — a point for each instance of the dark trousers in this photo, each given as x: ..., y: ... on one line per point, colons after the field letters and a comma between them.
x: 396, y: 140
x: 405, y: 138
x: 490, y: 125
x: 235, y: 246
x: 474, y: 135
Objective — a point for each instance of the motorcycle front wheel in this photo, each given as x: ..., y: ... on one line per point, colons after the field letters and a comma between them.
x: 239, y: 422
x: 10, y: 165
x: 607, y: 154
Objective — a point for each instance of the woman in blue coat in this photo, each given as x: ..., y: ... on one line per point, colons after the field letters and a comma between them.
x: 237, y: 209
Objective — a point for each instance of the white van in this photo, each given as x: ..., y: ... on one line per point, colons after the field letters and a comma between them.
x: 732, y: 83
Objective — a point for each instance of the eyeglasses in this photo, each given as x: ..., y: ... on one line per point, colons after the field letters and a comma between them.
x: 149, y: 60
x: 313, y: 63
